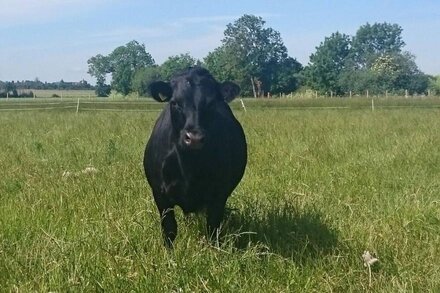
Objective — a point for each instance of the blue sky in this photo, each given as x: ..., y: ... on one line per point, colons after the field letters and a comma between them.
x: 52, y: 39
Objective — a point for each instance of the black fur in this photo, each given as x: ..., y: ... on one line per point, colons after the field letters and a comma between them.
x: 197, y: 152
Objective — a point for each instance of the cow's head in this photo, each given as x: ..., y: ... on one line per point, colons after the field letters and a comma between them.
x: 194, y: 96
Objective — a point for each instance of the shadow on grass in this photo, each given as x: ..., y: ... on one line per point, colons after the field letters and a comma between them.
x: 283, y: 230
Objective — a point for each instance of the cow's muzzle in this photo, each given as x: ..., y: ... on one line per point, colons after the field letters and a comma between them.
x: 193, y: 139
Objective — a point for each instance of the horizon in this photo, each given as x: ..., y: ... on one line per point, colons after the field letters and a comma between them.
x: 52, y: 40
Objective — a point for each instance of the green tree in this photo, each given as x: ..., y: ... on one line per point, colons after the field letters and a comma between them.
x: 393, y: 73
x: 121, y: 63
x: 372, y: 60
x: 102, y: 89
x: 175, y: 64
x: 328, y: 62
x: 434, y: 84
x: 376, y: 40
x: 143, y: 77
x: 286, y: 76
x: 124, y: 61
x: 252, y: 55
x: 99, y: 67
x: 222, y: 64
x: 9, y: 88
x: 409, y: 77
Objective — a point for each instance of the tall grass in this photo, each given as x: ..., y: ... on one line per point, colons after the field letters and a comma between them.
x: 321, y: 187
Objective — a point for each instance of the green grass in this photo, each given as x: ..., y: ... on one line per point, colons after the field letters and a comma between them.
x: 321, y: 186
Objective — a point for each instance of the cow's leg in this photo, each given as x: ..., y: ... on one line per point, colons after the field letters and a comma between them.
x: 215, y: 213
x: 167, y: 218
x: 169, y: 226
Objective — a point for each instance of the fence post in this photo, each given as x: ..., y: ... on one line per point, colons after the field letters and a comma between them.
x: 350, y: 94
x: 77, y: 107
x: 367, y: 94
x: 372, y: 105
x: 7, y: 96
x: 242, y: 104
x: 386, y: 94
x: 406, y: 94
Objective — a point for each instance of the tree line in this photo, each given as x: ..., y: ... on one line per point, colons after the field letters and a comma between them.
x: 23, y: 88
x: 255, y: 57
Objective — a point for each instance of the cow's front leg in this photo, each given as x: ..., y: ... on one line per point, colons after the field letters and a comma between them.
x: 215, y: 213
x: 167, y: 217
x: 169, y: 226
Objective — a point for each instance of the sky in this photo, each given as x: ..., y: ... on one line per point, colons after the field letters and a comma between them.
x: 53, y: 39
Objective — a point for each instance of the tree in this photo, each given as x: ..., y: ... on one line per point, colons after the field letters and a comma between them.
x: 143, y: 77
x: 223, y: 66
x: 122, y: 63
x: 175, y: 64
x: 99, y: 67
x: 286, y: 76
x: 251, y: 54
x: 375, y: 40
x: 434, y: 84
x: 11, y: 88
x: 372, y: 60
x: 409, y: 77
x: 328, y: 62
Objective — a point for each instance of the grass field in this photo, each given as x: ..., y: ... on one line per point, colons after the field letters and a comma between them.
x: 63, y: 93
x: 322, y: 186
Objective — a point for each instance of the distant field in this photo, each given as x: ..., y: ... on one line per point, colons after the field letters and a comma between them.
x: 326, y: 180
x: 63, y: 93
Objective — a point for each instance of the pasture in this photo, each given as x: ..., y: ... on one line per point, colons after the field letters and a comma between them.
x: 322, y: 185
x: 63, y: 93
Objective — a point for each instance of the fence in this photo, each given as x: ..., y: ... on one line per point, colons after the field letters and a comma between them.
x: 77, y: 105
x: 351, y: 94
x: 85, y: 104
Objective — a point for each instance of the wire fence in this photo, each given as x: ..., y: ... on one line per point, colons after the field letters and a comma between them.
x: 85, y: 104
x: 78, y: 105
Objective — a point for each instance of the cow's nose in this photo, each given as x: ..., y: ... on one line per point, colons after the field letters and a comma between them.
x: 194, y: 140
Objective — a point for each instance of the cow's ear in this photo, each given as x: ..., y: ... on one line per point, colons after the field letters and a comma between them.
x: 229, y: 90
x: 161, y: 91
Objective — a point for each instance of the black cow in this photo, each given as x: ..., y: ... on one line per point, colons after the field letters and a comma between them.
x: 197, y: 152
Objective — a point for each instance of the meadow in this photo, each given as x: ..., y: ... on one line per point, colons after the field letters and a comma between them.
x: 326, y: 180
x: 63, y: 93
